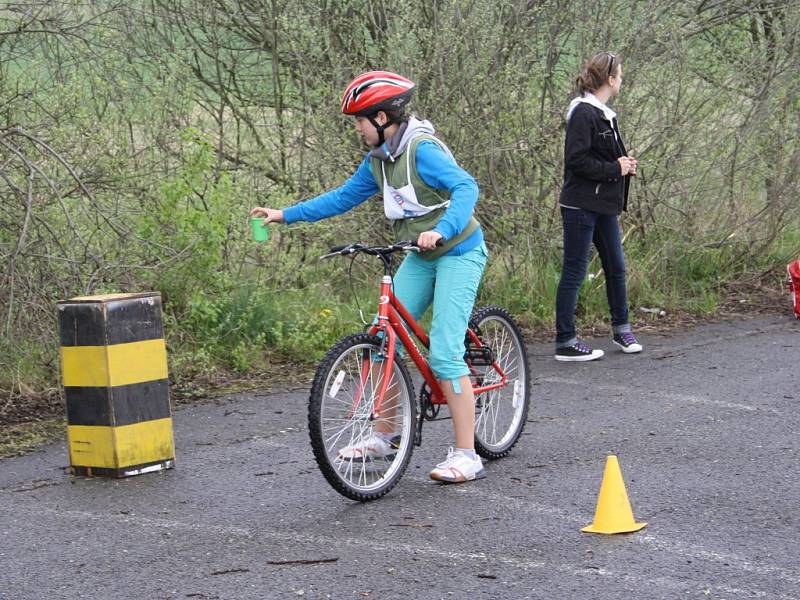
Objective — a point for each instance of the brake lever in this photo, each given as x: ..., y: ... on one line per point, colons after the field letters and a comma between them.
x: 407, y: 245
x: 412, y: 246
x: 342, y: 250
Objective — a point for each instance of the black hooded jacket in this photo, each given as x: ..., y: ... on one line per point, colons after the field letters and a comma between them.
x: 592, y: 174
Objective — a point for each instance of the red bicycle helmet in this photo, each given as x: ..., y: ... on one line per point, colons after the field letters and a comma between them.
x: 376, y: 90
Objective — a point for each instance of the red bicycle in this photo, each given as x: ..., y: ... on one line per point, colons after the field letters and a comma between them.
x: 362, y: 385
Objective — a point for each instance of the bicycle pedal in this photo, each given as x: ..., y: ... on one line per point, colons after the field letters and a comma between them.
x: 366, y: 460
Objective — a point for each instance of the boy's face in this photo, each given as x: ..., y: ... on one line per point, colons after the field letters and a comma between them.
x: 367, y: 130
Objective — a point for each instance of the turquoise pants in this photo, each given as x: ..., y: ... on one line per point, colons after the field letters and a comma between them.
x: 450, y: 283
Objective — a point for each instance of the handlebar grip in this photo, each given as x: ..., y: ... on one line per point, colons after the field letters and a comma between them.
x: 439, y: 242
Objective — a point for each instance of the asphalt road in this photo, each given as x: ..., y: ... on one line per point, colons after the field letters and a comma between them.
x: 704, y: 423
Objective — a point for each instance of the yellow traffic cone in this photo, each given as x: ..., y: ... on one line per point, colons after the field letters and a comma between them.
x: 613, y: 513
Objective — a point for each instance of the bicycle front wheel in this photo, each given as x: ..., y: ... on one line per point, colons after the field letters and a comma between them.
x: 500, y: 414
x: 361, y: 456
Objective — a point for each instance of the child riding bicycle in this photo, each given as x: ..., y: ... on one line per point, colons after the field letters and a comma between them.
x: 428, y: 198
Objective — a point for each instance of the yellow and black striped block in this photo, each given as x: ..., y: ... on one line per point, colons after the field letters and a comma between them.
x: 114, y: 371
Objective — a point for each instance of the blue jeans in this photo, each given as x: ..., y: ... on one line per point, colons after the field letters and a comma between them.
x: 581, y: 229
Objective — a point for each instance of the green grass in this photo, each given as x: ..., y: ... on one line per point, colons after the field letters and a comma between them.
x: 244, y: 328
x: 22, y: 438
x: 27, y: 366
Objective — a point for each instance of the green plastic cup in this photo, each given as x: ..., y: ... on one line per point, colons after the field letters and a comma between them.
x: 260, y: 232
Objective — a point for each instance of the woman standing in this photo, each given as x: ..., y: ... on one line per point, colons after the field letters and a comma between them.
x: 597, y: 172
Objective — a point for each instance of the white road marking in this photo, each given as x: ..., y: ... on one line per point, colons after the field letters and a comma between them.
x: 393, y: 546
x: 674, y: 397
x: 660, y: 543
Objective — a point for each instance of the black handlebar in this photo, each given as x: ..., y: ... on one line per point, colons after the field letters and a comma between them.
x: 383, y: 251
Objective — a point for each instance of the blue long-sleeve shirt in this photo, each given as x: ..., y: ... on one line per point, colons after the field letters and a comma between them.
x: 434, y: 167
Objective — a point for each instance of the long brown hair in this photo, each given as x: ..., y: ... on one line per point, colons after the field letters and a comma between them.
x: 596, y: 71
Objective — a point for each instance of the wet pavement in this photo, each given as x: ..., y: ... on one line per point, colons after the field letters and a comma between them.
x: 704, y: 424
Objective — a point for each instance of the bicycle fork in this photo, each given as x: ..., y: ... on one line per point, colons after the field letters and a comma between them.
x: 386, y: 353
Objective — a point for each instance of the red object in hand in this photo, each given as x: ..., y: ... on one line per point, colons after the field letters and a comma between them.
x: 794, y: 285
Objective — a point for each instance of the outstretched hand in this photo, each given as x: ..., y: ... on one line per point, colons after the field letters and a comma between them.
x: 270, y: 215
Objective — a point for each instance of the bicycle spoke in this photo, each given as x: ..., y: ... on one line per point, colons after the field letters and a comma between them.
x: 350, y: 443
x: 500, y: 416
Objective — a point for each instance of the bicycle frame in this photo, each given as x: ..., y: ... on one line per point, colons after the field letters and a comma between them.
x: 394, y: 321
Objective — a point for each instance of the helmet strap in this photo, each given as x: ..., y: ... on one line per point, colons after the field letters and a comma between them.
x: 379, y: 128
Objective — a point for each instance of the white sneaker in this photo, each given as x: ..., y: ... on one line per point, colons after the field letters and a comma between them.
x: 458, y: 467
x: 371, y: 447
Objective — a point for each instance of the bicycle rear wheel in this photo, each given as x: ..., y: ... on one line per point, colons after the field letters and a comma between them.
x: 340, y: 421
x: 500, y: 414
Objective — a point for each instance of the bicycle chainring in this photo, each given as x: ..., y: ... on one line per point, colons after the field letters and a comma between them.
x: 426, y: 406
